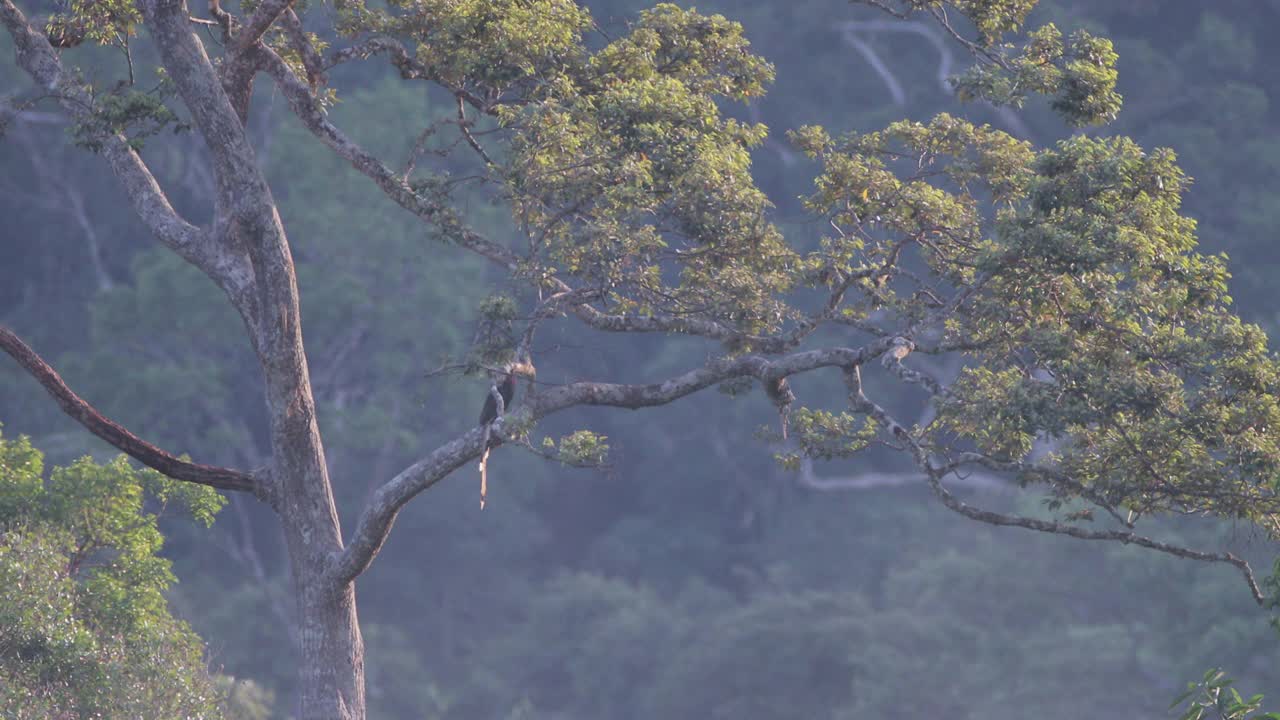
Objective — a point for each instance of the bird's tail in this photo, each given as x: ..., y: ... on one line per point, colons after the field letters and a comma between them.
x: 484, y: 476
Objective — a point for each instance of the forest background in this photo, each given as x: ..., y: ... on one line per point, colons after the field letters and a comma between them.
x: 694, y: 578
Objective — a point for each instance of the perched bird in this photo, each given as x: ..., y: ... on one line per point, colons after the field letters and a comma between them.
x: 507, y: 389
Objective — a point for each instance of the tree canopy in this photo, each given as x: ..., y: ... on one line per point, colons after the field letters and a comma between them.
x: 939, y: 297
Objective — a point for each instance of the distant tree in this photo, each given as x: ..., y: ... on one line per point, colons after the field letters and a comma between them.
x: 84, y: 627
x: 1063, y: 280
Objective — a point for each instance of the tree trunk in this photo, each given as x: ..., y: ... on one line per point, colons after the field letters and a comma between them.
x: 331, y: 675
x: 247, y: 225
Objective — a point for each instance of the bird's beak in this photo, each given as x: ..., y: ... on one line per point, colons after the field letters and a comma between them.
x: 525, y: 369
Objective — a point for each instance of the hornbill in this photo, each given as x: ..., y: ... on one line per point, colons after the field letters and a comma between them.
x: 507, y: 389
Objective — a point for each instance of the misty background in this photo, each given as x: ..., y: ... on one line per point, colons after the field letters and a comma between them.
x: 694, y: 578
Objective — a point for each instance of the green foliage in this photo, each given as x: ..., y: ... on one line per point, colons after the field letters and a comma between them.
x: 1090, y: 315
x: 1078, y: 77
x: 499, y: 50
x: 107, y: 22
x: 133, y: 113
x: 1213, y: 698
x: 825, y: 435
x: 627, y: 177
x: 580, y: 448
x: 1098, y: 322
x: 494, y: 345
x: 1000, y: 411
x: 85, y: 630
x: 994, y: 18
x: 859, y: 194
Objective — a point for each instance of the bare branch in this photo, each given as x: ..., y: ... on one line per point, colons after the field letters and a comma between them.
x: 934, y: 475
x: 1039, y: 472
x: 1123, y: 536
x: 464, y: 126
x: 409, y: 67
x: 240, y: 193
x: 137, y: 448
x: 975, y: 481
x: 379, y: 515
x: 715, y: 371
x: 35, y: 54
x: 246, y: 215
x: 38, y: 58
x: 306, y: 106
x: 311, y: 60
x: 249, y: 35
x: 886, y: 75
x: 376, y: 520
x: 851, y: 29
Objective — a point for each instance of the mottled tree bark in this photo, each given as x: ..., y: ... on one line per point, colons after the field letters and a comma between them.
x: 332, y: 652
x: 246, y: 252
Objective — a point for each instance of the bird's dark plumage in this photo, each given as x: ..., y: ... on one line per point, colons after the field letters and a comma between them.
x: 507, y: 388
x: 507, y: 391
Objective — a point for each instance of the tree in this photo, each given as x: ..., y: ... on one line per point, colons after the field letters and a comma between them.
x: 84, y: 627
x: 1063, y: 281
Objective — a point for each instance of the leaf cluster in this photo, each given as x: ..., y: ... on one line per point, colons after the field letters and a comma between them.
x: 106, y: 22
x: 1070, y: 283
x: 1078, y: 76
x: 626, y: 176
x: 1213, y: 698
x: 826, y: 435
x: 126, y: 111
x: 505, y: 49
x: 1099, y: 324
x: 84, y: 625
x: 580, y: 448
x: 494, y: 343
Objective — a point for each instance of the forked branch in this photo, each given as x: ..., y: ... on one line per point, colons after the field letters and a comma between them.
x: 1127, y: 537
x: 37, y: 57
